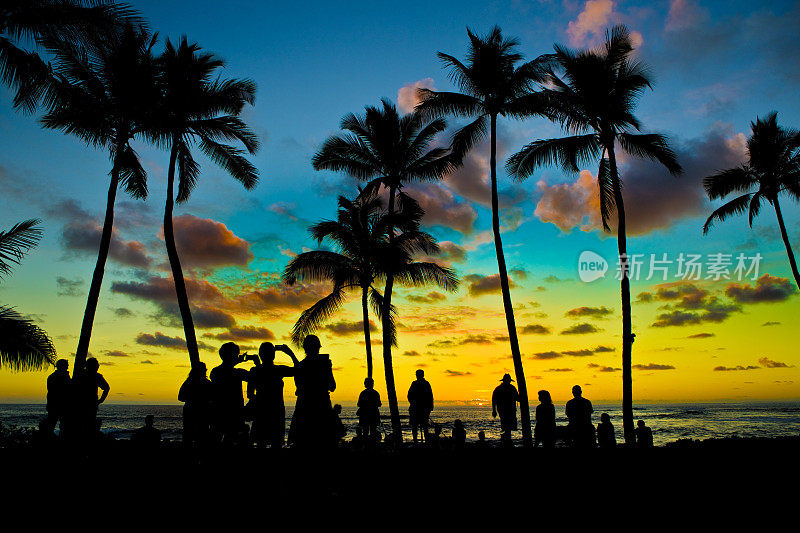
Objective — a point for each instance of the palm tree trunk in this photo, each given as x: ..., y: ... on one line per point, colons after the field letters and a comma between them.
x: 391, y: 391
x: 786, y: 243
x: 97, y: 277
x: 365, y: 311
x: 625, y: 290
x: 175, y: 264
x: 516, y: 356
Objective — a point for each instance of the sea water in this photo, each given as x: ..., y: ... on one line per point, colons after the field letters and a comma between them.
x: 669, y: 422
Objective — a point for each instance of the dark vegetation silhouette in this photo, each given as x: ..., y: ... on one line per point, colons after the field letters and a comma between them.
x: 772, y: 169
x: 388, y: 150
x: 592, y: 94
x: 197, y: 108
x: 494, y: 83
x: 24, y: 346
x: 26, y: 28
x: 105, y: 93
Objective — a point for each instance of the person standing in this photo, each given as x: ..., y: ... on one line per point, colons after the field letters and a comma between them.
x: 86, y: 400
x: 545, y: 430
x: 197, y: 395
x: 420, y: 405
x: 228, y: 418
x: 504, y: 402
x: 579, y: 413
x: 369, y: 414
x: 58, y: 396
x: 312, y: 421
x: 265, y: 388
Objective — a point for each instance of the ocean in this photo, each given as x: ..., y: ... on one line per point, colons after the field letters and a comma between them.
x: 669, y: 422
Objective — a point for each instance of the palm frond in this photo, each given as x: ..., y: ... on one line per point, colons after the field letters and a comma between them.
x: 737, y: 206
x: 311, y: 319
x: 390, y: 323
x: 15, y: 242
x: 652, y: 146
x: 24, y: 346
x: 570, y: 153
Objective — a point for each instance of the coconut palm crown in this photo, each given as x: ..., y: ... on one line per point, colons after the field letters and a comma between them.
x: 772, y: 169
x: 594, y: 98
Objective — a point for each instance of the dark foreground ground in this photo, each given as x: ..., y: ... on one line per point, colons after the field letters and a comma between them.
x: 715, y: 479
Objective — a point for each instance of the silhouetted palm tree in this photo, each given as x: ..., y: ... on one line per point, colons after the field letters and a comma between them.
x: 595, y: 99
x: 198, y: 109
x: 105, y: 95
x: 493, y: 82
x: 23, y: 344
x: 389, y: 150
x: 26, y: 23
x: 361, y: 234
x: 773, y: 167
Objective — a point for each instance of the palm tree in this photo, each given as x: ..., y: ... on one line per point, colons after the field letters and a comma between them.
x: 30, y: 22
x: 773, y: 167
x: 493, y: 83
x: 361, y: 233
x: 105, y: 95
x: 388, y: 150
x: 595, y: 100
x: 23, y: 344
x: 196, y: 108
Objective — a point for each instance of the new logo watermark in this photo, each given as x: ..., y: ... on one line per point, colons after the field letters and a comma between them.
x: 591, y: 266
x: 685, y: 266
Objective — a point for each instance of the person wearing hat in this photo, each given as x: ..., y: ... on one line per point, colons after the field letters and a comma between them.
x: 504, y: 402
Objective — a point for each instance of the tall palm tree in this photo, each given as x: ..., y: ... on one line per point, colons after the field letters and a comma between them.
x: 26, y: 23
x: 388, y: 150
x: 105, y: 95
x: 773, y: 167
x: 196, y: 108
x: 361, y: 233
x: 23, y: 344
x: 494, y: 82
x: 595, y: 100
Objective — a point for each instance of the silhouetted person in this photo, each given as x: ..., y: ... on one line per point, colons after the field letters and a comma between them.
x: 84, y: 389
x: 504, y: 403
x: 197, y: 395
x: 605, y: 433
x: 312, y: 421
x: 644, y: 435
x: 459, y: 434
x: 579, y: 413
x: 339, y: 431
x: 435, y: 440
x: 369, y: 414
x: 228, y: 419
x: 482, y: 439
x: 544, y: 431
x: 420, y: 405
x: 147, y: 437
x: 58, y: 396
x: 265, y: 390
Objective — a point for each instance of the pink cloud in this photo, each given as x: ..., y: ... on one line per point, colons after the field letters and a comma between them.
x: 407, y: 98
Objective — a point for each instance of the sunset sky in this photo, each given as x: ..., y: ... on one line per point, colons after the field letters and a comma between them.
x: 717, y: 66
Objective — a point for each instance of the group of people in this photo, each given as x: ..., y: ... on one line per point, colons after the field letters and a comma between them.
x: 72, y: 401
x: 581, y: 432
x: 215, y: 412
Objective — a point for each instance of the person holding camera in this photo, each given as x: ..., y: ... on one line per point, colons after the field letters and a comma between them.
x: 265, y: 391
x: 313, y: 421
